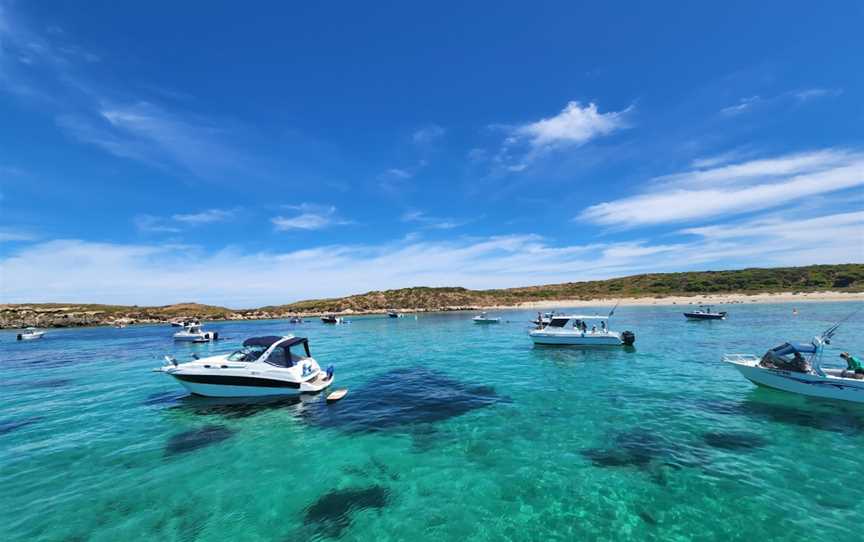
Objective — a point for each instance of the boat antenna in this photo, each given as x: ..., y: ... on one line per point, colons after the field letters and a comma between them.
x: 613, y: 308
x: 828, y: 333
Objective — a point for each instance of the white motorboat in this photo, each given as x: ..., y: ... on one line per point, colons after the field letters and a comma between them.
x: 574, y: 330
x: 705, y: 313
x: 484, y: 318
x: 194, y: 333
x: 31, y: 334
x: 264, y: 366
x: 797, y: 368
x: 393, y: 314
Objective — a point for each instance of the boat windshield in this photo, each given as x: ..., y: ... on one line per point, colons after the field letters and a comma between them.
x: 248, y: 353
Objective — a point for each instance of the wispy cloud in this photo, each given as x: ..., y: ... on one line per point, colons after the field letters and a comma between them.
x: 309, y: 217
x: 205, y: 217
x: 790, y: 98
x: 428, y: 135
x: 733, y: 189
x: 148, y: 274
x: 743, y: 105
x: 433, y: 222
x: 56, y: 74
x: 158, y: 224
x: 9, y: 235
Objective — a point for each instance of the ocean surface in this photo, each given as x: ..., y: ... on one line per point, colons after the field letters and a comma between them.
x: 450, y: 431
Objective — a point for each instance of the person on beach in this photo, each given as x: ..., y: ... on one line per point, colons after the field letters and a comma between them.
x: 853, y: 365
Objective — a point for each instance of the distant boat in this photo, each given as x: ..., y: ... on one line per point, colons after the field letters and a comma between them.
x: 332, y: 319
x: 392, y: 314
x: 31, y: 334
x: 194, y: 333
x: 705, y: 313
x: 484, y: 318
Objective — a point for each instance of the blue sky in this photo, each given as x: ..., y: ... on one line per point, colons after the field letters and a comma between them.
x: 244, y: 155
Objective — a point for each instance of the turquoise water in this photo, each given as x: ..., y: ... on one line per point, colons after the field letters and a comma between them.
x: 451, y: 431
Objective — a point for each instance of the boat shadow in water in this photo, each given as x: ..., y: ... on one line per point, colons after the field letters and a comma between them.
x: 332, y: 513
x: 404, y: 398
x: 824, y: 415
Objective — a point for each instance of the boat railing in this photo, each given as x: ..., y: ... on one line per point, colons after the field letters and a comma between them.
x: 739, y: 358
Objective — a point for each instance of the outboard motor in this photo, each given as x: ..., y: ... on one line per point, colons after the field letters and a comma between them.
x: 330, y: 372
x: 20, y: 337
x: 628, y: 338
x: 215, y: 335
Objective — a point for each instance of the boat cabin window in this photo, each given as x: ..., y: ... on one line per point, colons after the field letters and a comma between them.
x: 248, y: 353
x: 288, y: 357
x: 558, y: 322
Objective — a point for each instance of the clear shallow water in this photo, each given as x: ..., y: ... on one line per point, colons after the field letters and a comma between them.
x: 451, y: 431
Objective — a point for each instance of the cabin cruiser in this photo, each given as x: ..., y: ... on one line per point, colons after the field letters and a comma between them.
x: 797, y: 368
x: 543, y: 319
x: 30, y: 334
x: 393, y: 314
x: 332, y: 319
x: 194, y: 333
x: 574, y: 330
x: 484, y: 318
x: 265, y: 366
x: 705, y: 313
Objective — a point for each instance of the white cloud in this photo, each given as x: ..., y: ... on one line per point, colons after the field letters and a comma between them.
x: 156, y: 274
x: 574, y: 125
x: 205, y: 217
x: 814, y: 93
x: 433, y: 222
x: 154, y: 224
x: 7, y: 235
x: 743, y: 105
x: 733, y: 189
x: 397, y: 173
x: 428, y: 134
x: 309, y: 217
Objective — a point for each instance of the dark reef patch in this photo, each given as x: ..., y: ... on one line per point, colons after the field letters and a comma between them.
x: 734, y: 440
x: 330, y: 515
x: 7, y: 426
x: 233, y: 408
x: 646, y: 451
x: 404, y: 397
x: 191, y: 440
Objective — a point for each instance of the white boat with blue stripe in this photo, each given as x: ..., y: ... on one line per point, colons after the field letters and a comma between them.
x: 265, y: 366
x: 797, y: 368
x: 580, y: 330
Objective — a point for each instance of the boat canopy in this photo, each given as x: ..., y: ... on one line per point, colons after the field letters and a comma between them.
x: 270, y: 340
x: 787, y: 349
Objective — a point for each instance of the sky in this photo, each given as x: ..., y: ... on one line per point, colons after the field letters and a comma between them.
x: 250, y: 154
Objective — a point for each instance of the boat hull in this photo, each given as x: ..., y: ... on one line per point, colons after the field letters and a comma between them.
x: 702, y: 316
x: 487, y: 321
x: 843, y: 389
x: 237, y: 386
x: 30, y: 337
x: 586, y: 339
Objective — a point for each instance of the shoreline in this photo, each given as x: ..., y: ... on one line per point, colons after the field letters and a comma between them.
x: 706, y: 299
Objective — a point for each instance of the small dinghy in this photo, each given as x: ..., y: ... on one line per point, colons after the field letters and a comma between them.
x: 336, y: 395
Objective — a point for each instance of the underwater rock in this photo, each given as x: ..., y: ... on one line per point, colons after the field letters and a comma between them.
x: 7, y: 426
x: 405, y: 397
x: 734, y: 440
x: 194, y: 439
x: 331, y: 514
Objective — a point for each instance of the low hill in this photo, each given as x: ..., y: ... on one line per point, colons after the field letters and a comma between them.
x: 844, y: 277
x: 814, y: 278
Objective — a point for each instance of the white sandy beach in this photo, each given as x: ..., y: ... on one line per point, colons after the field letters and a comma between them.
x: 718, y: 299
